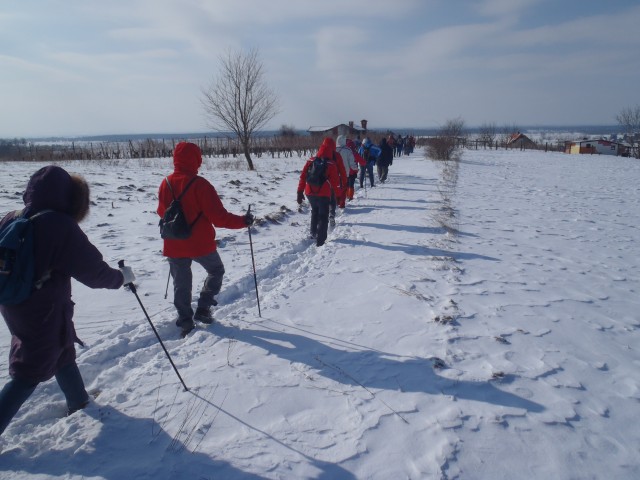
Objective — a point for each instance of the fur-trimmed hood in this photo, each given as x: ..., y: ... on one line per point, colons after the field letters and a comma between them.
x: 53, y: 188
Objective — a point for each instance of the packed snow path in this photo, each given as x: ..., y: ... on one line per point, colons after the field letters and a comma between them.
x: 465, y: 320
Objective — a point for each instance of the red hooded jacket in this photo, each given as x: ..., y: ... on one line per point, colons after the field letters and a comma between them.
x: 201, y: 198
x: 326, y: 150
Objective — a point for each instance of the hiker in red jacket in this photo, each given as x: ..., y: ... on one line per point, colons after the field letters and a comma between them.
x: 203, y: 208
x: 320, y: 196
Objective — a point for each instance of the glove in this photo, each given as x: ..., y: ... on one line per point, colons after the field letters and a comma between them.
x: 300, y: 198
x: 128, y: 275
x: 248, y: 219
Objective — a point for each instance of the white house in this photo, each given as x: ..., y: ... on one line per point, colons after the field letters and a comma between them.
x: 598, y: 146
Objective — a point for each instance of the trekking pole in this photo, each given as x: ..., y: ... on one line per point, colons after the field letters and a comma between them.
x: 365, y: 172
x: 132, y: 287
x: 253, y: 261
x: 166, y: 291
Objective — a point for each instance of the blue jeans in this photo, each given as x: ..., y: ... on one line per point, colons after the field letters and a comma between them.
x: 182, y: 284
x: 17, y: 391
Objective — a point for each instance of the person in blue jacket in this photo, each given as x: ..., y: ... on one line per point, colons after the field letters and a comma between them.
x: 369, y: 152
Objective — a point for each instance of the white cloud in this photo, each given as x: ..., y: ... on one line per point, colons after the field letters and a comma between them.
x: 331, y: 60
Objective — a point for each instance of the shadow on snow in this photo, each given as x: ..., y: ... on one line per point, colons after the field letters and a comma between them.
x: 372, y: 369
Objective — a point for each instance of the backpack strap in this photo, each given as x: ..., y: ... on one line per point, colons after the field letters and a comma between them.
x: 187, y: 187
x: 41, y: 212
x: 170, y: 189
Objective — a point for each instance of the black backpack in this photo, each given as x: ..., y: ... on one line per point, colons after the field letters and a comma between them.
x: 317, y: 173
x: 173, y: 224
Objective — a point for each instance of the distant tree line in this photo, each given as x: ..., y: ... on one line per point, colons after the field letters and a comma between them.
x: 276, y: 146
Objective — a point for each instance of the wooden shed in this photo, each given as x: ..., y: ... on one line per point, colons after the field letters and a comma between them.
x: 520, y: 140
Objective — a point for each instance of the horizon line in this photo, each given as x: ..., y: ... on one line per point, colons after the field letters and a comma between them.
x: 200, y: 134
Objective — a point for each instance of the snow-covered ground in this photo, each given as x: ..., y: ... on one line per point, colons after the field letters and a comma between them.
x: 477, y: 320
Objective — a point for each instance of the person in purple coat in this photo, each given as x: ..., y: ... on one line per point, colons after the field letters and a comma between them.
x: 42, y: 330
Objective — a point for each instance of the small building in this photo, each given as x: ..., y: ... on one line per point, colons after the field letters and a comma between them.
x: 520, y: 140
x: 597, y: 146
x: 341, y: 129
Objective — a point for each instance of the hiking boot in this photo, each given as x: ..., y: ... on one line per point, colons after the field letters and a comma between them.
x: 332, y: 220
x: 187, y: 329
x: 203, y: 315
x: 185, y: 325
x: 71, y: 411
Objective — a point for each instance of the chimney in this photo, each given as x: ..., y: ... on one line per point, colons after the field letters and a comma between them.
x: 350, y: 123
x: 364, y: 124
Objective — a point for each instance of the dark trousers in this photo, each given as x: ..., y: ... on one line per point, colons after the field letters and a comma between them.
x: 368, y: 169
x: 17, y: 391
x: 183, y: 279
x: 383, y: 171
x: 332, y: 204
x: 352, y: 179
x: 319, y: 218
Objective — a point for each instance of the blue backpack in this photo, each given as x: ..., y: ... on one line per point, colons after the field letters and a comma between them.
x: 16, y: 259
x: 374, y: 152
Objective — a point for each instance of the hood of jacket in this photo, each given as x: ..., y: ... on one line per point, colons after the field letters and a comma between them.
x: 51, y: 188
x: 341, y: 141
x: 327, y: 149
x: 187, y: 158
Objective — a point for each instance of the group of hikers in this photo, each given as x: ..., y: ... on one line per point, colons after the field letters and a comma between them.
x: 402, y: 145
x: 43, y: 334
x: 328, y: 178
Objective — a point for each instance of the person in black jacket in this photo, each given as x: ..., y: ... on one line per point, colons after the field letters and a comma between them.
x: 42, y: 330
x: 385, y: 159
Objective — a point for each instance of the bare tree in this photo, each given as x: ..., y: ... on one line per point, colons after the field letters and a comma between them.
x: 447, y: 140
x: 629, y: 120
x: 239, y: 100
x: 488, y: 133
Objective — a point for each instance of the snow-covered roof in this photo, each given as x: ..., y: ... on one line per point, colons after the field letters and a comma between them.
x: 326, y: 129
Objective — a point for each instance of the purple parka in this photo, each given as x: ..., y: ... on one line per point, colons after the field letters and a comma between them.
x: 42, y: 330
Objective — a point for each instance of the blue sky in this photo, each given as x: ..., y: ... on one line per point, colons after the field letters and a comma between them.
x: 84, y: 67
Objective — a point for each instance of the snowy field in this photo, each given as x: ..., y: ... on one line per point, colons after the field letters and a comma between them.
x: 477, y: 320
